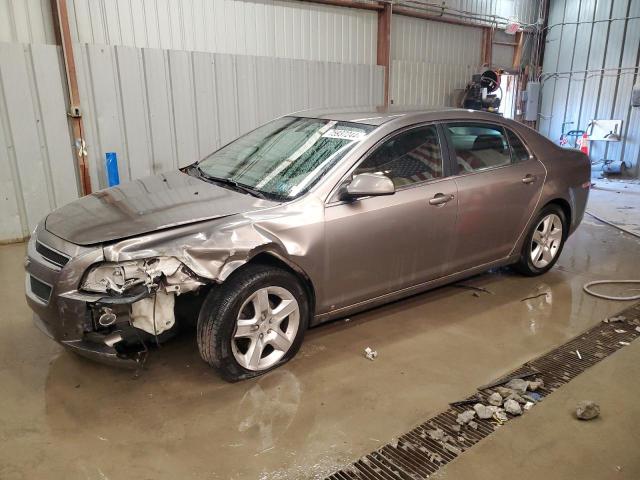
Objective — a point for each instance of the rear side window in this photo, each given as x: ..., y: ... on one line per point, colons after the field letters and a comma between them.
x: 478, y: 146
x: 519, y: 152
x: 410, y: 157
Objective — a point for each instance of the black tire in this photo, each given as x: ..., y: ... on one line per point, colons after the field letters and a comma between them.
x: 219, y: 312
x: 525, y: 264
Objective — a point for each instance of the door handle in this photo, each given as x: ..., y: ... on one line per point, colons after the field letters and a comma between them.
x: 440, y: 199
x: 528, y: 178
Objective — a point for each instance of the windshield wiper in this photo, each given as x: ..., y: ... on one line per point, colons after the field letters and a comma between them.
x: 227, y: 181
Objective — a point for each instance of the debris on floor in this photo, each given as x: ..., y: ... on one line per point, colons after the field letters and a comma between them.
x: 495, y: 399
x: 465, y: 417
x: 474, y: 399
x: 578, y: 354
x: 483, y: 412
x: 541, y: 294
x: 474, y: 288
x: 587, y: 410
x: 370, y: 354
x: 512, y: 407
x: 518, y: 385
x: 619, y: 318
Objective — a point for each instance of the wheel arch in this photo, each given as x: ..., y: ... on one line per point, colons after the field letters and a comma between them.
x: 566, y: 209
x: 273, y: 259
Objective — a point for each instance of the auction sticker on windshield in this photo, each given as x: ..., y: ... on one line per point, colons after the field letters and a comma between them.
x: 345, y: 134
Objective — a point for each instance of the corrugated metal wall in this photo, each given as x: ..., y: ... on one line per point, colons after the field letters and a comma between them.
x: 570, y: 94
x: 276, y: 28
x: 156, y: 109
x: 263, y: 27
x: 36, y: 160
x: 26, y: 21
x: 431, y: 59
x: 160, y: 109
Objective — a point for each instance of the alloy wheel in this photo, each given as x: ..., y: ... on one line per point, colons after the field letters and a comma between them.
x: 546, y: 241
x: 266, y: 328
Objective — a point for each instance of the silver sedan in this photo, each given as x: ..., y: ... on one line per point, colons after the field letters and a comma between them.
x: 308, y: 218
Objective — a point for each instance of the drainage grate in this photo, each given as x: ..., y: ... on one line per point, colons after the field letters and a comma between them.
x: 416, y: 455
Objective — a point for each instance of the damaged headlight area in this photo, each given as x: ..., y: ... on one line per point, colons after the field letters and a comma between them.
x: 141, y: 293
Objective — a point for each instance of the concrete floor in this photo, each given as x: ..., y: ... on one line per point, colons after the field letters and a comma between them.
x: 65, y: 417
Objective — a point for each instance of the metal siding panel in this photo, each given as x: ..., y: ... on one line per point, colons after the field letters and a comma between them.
x: 159, y: 109
x: 125, y: 21
x: 316, y: 91
x: 550, y: 64
x: 299, y: 85
x: 106, y: 104
x: 80, y: 19
x: 606, y: 84
x: 427, y: 58
x: 577, y: 84
x: 630, y: 55
x: 247, y: 93
x: 180, y: 72
x: 152, y: 15
x: 97, y: 21
x: 227, y: 94
x: 135, y: 125
x: 51, y: 99
x: 565, y: 53
x: 206, y: 103
x: 631, y: 141
x: 11, y: 227
x: 12, y: 212
x: 29, y: 166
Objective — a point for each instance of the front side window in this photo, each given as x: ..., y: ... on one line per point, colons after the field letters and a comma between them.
x: 283, y: 158
x: 410, y: 157
x: 478, y: 146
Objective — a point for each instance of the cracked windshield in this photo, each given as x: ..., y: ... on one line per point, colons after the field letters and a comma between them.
x: 283, y: 158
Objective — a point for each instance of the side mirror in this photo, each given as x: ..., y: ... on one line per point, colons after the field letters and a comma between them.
x: 369, y: 185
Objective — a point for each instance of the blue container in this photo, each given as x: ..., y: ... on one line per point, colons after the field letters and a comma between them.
x: 111, y: 165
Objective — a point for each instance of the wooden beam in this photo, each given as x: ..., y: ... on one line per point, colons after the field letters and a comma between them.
x: 517, y: 52
x: 487, y: 46
x: 384, y: 46
x: 63, y: 34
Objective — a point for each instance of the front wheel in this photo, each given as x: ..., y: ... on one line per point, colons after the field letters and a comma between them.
x: 544, y: 242
x: 253, y: 322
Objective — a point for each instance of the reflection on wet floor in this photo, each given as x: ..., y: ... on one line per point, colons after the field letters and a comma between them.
x: 65, y: 417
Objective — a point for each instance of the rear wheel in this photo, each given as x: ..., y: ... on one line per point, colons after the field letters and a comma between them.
x: 253, y: 322
x: 544, y: 242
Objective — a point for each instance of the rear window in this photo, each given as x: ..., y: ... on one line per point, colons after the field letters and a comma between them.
x: 479, y: 146
x: 519, y: 152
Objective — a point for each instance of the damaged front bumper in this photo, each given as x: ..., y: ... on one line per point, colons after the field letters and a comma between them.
x: 94, y: 350
x: 54, y: 271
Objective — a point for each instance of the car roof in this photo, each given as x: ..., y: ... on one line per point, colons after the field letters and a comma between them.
x: 379, y: 115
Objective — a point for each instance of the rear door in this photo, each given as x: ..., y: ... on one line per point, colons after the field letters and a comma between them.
x: 499, y: 184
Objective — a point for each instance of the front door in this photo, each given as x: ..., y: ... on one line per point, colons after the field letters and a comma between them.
x: 378, y: 245
x: 499, y: 185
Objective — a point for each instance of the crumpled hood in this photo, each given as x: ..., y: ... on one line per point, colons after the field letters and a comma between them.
x: 146, y: 205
